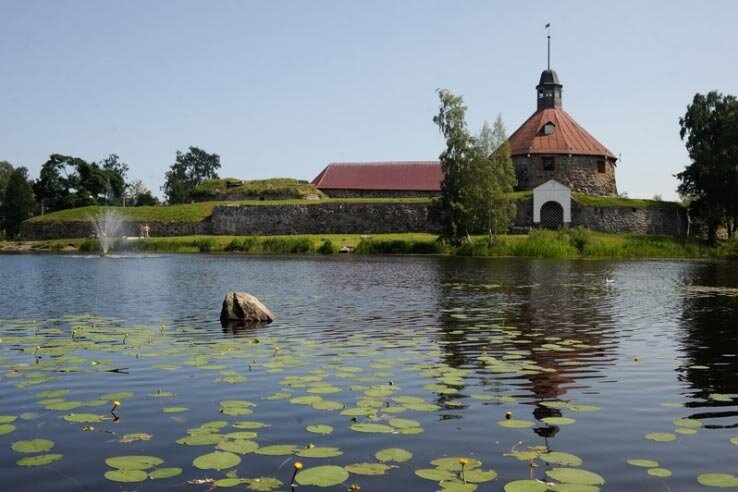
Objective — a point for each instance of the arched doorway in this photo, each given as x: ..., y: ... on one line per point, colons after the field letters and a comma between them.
x: 552, y: 215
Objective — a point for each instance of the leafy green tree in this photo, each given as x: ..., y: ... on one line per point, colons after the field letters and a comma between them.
x: 116, y: 173
x: 140, y: 195
x: 57, y: 183
x: 455, y: 161
x: 710, y: 181
x: 478, y: 175
x: 19, y: 203
x: 188, y: 171
x: 6, y: 169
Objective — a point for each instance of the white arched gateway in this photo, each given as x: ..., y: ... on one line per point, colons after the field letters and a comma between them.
x: 551, y: 205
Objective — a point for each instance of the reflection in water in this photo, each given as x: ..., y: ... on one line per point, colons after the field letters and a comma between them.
x: 709, y: 341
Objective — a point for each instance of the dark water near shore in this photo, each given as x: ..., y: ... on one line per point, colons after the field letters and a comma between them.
x: 645, y: 342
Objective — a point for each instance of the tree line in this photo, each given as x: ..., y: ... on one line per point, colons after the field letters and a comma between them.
x: 475, y: 192
x: 67, y: 181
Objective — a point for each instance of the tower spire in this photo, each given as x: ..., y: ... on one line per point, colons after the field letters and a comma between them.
x: 548, y: 65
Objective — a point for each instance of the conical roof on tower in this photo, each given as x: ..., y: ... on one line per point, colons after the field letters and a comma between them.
x: 551, y: 130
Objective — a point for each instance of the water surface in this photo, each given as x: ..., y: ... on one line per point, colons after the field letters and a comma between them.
x: 640, y: 343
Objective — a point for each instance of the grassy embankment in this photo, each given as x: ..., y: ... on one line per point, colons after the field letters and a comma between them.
x: 572, y: 243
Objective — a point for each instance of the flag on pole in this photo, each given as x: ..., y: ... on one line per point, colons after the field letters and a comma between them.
x: 548, y: 25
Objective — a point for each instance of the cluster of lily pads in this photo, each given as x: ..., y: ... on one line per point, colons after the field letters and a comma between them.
x: 315, y: 376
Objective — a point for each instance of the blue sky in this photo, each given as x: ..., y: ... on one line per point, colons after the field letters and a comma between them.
x: 281, y: 88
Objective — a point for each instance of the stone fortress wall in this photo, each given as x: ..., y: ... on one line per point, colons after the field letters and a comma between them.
x: 579, y: 172
x: 367, y: 218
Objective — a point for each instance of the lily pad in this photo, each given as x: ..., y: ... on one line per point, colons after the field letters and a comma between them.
x: 277, y: 450
x: 661, y: 437
x: 644, y: 463
x: 249, y: 425
x: 687, y: 423
x: 454, y: 463
x: 7, y: 419
x: 263, y: 484
x: 138, y: 436
x: 526, y: 486
x: 368, y: 468
x: 240, y: 446
x: 659, y: 472
x: 6, y: 429
x: 201, y: 439
x: 84, y: 418
x: 515, y: 424
x: 479, y: 476
x: 435, y: 474
x: 559, y: 458
x: 33, y: 446
x: 126, y: 475
x: 217, y: 460
x: 40, y: 460
x: 161, y: 473
x: 575, y: 476
x: 398, y: 455
x: 174, y: 409
x: 319, y: 452
x: 404, y: 423
x: 372, y: 428
x: 228, y: 482
x: 718, y: 480
x: 134, y: 462
x: 558, y: 420
x: 319, y: 429
x: 322, y: 476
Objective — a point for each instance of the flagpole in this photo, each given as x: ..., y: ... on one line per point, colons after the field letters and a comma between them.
x: 548, y: 26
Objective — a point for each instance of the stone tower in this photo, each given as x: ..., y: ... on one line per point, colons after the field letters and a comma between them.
x: 551, y: 145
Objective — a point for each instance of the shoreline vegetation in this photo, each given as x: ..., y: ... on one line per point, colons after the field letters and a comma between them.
x: 563, y: 244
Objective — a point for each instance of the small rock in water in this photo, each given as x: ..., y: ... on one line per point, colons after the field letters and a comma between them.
x: 241, y: 306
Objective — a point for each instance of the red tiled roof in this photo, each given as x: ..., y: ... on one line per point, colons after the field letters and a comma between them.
x: 568, y: 137
x: 406, y: 176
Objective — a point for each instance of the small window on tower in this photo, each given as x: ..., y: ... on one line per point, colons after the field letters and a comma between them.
x: 548, y: 164
x: 601, y: 167
x: 548, y: 129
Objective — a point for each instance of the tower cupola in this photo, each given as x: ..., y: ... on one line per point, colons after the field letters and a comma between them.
x: 549, y: 90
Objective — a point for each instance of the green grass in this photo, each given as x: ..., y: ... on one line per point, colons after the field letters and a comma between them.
x: 566, y: 243
x: 618, y: 201
x: 259, y: 189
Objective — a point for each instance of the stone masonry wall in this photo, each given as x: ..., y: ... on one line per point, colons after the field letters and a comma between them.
x: 578, y: 172
x: 31, y: 231
x: 366, y: 218
x: 328, y: 218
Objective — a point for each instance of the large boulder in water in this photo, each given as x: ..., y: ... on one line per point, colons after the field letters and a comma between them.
x: 240, y: 306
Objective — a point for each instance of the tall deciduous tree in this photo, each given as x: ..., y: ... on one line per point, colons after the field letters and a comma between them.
x: 478, y: 174
x: 19, y: 203
x: 6, y: 169
x: 710, y: 181
x: 188, y: 171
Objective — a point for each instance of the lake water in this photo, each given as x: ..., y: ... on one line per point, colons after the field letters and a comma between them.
x: 423, y: 354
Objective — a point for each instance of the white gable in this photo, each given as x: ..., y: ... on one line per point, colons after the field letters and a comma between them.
x: 551, y: 184
x: 551, y: 191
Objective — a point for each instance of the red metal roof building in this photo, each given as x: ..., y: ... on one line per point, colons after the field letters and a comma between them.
x: 380, y: 179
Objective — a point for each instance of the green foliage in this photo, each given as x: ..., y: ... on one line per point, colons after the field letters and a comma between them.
x: 710, y: 127
x: 258, y: 189
x: 90, y: 246
x: 478, y: 174
x: 620, y: 201
x: 188, y: 172
x: 287, y: 245
x: 327, y: 247
x: 18, y: 204
x: 399, y: 247
x: 68, y: 182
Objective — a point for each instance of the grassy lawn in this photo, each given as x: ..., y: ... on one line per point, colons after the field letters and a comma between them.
x: 617, y: 201
x: 574, y: 243
x: 286, y: 188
